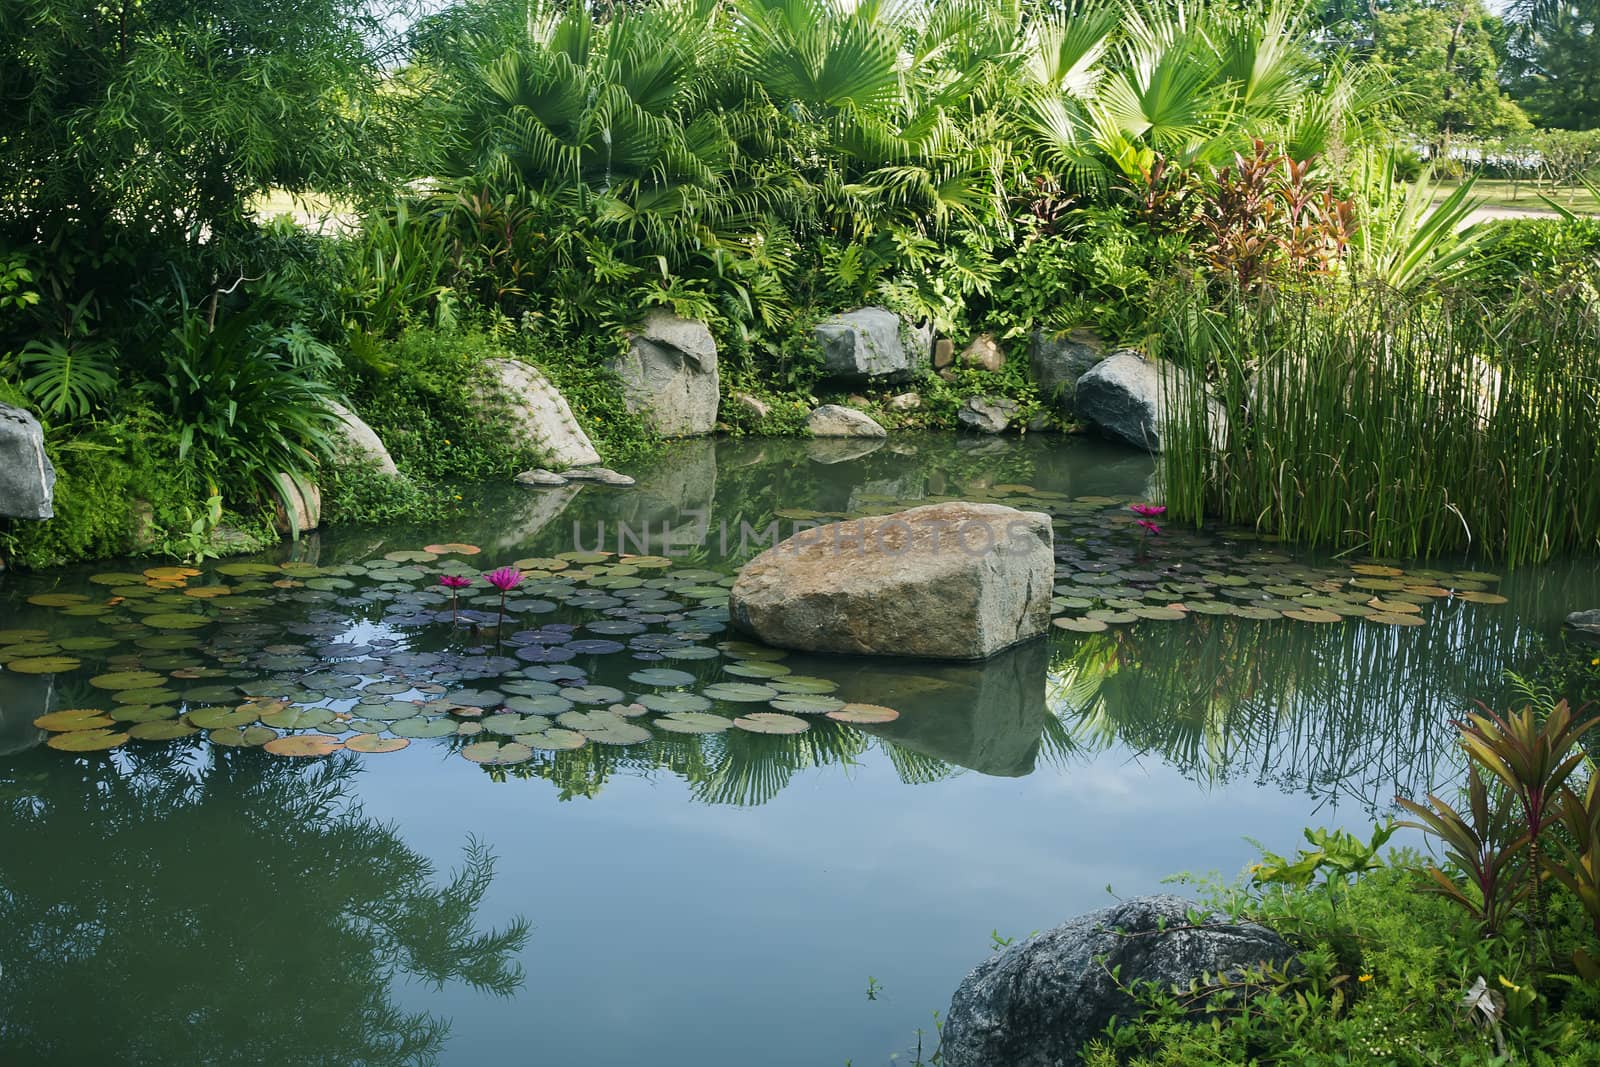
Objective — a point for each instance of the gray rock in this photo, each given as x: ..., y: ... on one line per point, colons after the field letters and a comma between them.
x: 1129, y: 399
x: 903, y: 402
x: 669, y: 375
x: 867, y: 345
x: 540, y: 478
x: 987, y: 414
x: 1058, y: 361
x: 1038, y: 1003
x: 956, y: 581
x: 360, y: 442
x: 300, y: 505
x: 984, y: 353
x: 602, y: 475
x: 535, y: 414
x: 751, y: 406
x: 1586, y: 622
x: 832, y: 420
x: 27, y: 478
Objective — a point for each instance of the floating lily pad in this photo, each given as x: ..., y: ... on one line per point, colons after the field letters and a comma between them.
x: 589, y: 721
x: 177, y: 621
x: 420, y: 727
x: 740, y: 692
x: 161, y: 730
x: 452, y: 549
x: 806, y: 703
x: 57, y: 600
x: 674, y: 703
x: 661, y: 676
x: 864, y: 714
x: 1479, y: 597
x: 143, y: 712
x: 241, y: 736
x: 555, y: 740
x: 372, y: 743
x: 497, y: 753
x: 220, y: 718
x: 1395, y: 620
x: 1312, y: 615
x: 295, y: 717
x: 1082, y: 626
x: 799, y: 683
x: 592, y: 694
x: 87, y: 740
x: 43, y: 664
x: 623, y: 733
x: 88, y: 644
x: 771, y: 722
x: 692, y: 722
x: 17, y: 637
x: 74, y: 719
x: 303, y: 745
x: 756, y: 669
x: 513, y: 723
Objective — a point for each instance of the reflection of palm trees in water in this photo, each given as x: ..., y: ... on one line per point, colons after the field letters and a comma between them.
x: 240, y: 910
x: 1354, y: 708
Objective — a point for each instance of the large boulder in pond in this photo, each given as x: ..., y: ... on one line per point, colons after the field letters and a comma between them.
x: 1586, y: 623
x: 361, y: 442
x: 1132, y: 400
x: 1038, y: 1003
x: 870, y: 344
x: 534, y: 414
x: 955, y: 581
x: 27, y: 478
x: 669, y: 375
x: 1058, y: 360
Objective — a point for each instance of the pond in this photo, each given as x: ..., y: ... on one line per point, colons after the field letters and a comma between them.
x: 560, y: 847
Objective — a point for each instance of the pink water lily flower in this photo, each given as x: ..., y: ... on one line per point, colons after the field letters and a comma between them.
x: 455, y: 581
x: 504, y: 579
x: 1148, y: 511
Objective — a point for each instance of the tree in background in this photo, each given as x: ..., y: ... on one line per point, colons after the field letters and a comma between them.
x: 1444, y: 57
x: 1554, y: 63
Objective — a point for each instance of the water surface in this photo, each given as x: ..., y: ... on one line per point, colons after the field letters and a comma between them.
x: 706, y: 900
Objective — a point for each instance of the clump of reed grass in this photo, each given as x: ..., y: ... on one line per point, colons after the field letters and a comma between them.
x: 1408, y: 425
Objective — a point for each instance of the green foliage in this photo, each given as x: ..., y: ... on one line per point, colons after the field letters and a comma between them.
x: 1553, y: 46
x: 429, y: 413
x: 1335, y: 854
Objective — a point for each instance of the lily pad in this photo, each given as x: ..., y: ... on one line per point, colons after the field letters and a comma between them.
x: 556, y: 740
x: 674, y: 703
x: 420, y: 727
x: 74, y: 719
x: 43, y: 664
x: 497, y: 753
x: 864, y: 713
x: 220, y: 718
x: 771, y: 722
x: 740, y: 692
x: 87, y: 740
x: 241, y: 736
x: 623, y: 733
x: 372, y: 743
x: 661, y: 676
x: 161, y: 730
x: 693, y: 722
x: 303, y: 745
x: 295, y: 717
x: 806, y: 703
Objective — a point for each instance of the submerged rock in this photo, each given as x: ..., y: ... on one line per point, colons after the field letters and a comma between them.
x: 540, y: 478
x: 1038, y: 1003
x: 867, y: 345
x: 602, y: 475
x: 1130, y: 399
x: 360, y: 441
x: 27, y: 478
x: 535, y: 413
x: 956, y: 581
x: 832, y: 420
x: 669, y: 375
x: 987, y: 414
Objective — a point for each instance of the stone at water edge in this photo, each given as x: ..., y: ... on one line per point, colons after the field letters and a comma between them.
x: 1586, y: 622
x: 1129, y: 399
x: 1057, y: 361
x: 988, y: 414
x: 360, y: 441
x: 27, y: 478
x: 868, y: 344
x: 534, y: 414
x: 669, y: 375
x: 602, y: 475
x: 754, y: 407
x: 304, y: 504
x: 1037, y: 1003
x: 957, y: 581
x: 834, y: 420
x: 540, y: 478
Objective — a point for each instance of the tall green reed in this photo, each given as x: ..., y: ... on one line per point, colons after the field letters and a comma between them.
x: 1360, y: 418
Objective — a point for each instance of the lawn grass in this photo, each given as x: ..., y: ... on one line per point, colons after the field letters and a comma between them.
x: 1524, y: 196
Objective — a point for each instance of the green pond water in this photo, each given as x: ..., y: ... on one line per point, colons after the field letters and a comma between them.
x: 573, y: 853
